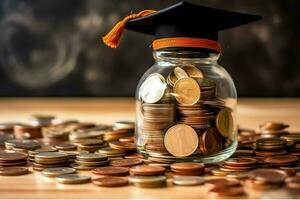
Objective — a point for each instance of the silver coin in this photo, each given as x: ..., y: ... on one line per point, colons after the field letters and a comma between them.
x: 91, y: 157
x: 188, y: 180
x: 73, y: 179
x: 153, y: 88
x: 57, y: 171
x: 51, y: 155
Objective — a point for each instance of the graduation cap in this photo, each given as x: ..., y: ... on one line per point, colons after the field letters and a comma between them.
x: 181, y: 25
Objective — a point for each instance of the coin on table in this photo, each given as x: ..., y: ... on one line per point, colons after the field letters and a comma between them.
x: 241, y: 161
x: 273, y: 126
x: 145, y: 170
x: 283, y: 160
x: 127, y: 162
x: 51, y: 155
x: 180, y: 73
x: 153, y: 88
x: 111, y: 171
x: 126, y: 146
x: 226, y: 191
x: 222, y: 182
x: 181, y: 140
x: 224, y: 122
x: 73, y: 179
x: 272, y: 176
x: 13, y: 171
x: 187, y: 91
x: 148, y: 181
x: 57, y: 171
x: 91, y: 157
x: 110, y: 181
x: 188, y: 180
x: 12, y: 157
x: 193, y: 71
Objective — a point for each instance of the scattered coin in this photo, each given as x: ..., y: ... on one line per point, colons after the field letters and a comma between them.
x: 110, y: 181
x: 13, y: 171
x: 188, y: 180
x: 54, y: 172
x: 145, y: 170
x: 148, y: 181
x: 73, y: 179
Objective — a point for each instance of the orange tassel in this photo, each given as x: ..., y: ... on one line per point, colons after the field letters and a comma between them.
x: 112, y: 38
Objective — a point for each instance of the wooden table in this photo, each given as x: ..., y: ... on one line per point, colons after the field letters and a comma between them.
x: 251, y: 113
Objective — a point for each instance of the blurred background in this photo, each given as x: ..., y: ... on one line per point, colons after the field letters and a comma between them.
x: 53, y: 48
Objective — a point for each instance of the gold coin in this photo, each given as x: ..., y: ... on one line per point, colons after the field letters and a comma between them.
x: 224, y: 122
x: 181, y: 140
x: 193, y: 71
x: 180, y: 73
x: 187, y: 91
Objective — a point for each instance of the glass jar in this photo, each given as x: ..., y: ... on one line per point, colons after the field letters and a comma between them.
x: 186, y: 109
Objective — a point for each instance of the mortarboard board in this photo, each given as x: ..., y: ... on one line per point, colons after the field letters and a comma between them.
x: 189, y: 23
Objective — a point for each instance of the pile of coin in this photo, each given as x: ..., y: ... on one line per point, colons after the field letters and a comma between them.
x: 50, y: 159
x: 184, y: 105
x: 88, y: 161
x: 12, y: 159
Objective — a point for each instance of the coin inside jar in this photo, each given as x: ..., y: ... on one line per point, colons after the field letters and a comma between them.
x: 224, y: 122
x: 187, y: 91
x: 181, y: 140
x: 153, y: 88
x: 180, y: 73
x: 193, y: 71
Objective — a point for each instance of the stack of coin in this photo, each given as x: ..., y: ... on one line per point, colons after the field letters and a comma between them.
x: 12, y: 159
x: 87, y: 161
x: 293, y: 141
x: 22, y: 145
x: 50, y: 159
x: 239, y: 164
x: 73, y: 179
x: 188, y: 169
x: 110, y: 181
x: 41, y: 120
x: 90, y: 145
x: 188, y: 180
x: 96, y: 132
x: 157, y: 117
x: 148, y: 181
x: 270, y: 147
x: 53, y: 135
x: 281, y: 161
x: 273, y: 129
x: 66, y: 146
x: 112, y: 135
x: 111, y: 153
x: 32, y: 153
x: 13, y: 171
x: 111, y: 171
x: 266, y: 178
x: 23, y: 131
x: 127, y: 162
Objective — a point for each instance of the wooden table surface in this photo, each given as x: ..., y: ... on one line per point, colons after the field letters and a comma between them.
x: 251, y: 113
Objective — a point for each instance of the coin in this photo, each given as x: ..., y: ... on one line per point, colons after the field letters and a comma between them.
x: 224, y: 122
x: 57, y: 171
x: 193, y: 71
x: 273, y: 126
x: 91, y: 157
x: 148, y: 181
x: 187, y: 91
x: 13, y: 171
x: 51, y: 155
x: 272, y: 176
x: 153, y: 88
x: 221, y: 182
x: 124, y: 125
x: 241, y: 161
x: 27, y: 131
x: 180, y: 73
x: 226, y: 192
x: 187, y: 169
x: 111, y: 171
x: 12, y: 157
x: 188, y: 180
x: 181, y: 140
x: 282, y: 160
x: 110, y: 181
x: 126, y: 146
x: 73, y: 179
x: 145, y: 170
x: 127, y: 162
x: 211, y: 142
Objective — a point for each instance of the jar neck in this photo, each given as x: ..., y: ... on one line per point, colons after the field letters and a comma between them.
x: 176, y: 57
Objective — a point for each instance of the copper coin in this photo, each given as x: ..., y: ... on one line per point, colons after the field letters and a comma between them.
x: 129, y: 146
x: 271, y: 142
x: 111, y: 171
x: 211, y: 142
x: 134, y: 155
x: 241, y: 161
x: 187, y: 166
x: 282, y: 160
x: 13, y: 171
x: 222, y: 182
x: 226, y: 191
x: 270, y: 153
x: 8, y: 157
x: 237, y: 168
x: 110, y: 181
x: 273, y: 176
x: 127, y: 162
x: 146, y: 170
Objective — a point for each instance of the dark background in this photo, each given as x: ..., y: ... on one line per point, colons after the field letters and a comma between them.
x: 54, y: 48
